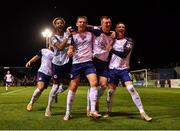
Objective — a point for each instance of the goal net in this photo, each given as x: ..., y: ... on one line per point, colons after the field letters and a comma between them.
x: 140, y: 77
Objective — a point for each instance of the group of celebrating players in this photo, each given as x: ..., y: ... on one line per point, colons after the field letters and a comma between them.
x: 96, y: 52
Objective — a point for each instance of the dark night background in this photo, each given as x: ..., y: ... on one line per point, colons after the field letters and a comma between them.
x: 154, y: 26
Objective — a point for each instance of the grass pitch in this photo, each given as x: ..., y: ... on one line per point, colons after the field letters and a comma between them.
x: 162, y: 104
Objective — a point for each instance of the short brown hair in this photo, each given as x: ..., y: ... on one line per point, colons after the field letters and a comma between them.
x: 84, y: 17
x: 104, y: 17
x: 120, y: 23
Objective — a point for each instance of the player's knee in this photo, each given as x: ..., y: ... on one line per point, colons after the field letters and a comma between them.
x: 131, y: 88
x: 40, y: 89
x: 73, y: 87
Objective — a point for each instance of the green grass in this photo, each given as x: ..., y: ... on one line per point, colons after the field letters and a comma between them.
x: 162, y: 104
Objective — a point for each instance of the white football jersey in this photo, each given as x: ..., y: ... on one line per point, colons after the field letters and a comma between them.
x: 9, y: 78
x: 99, y: 47
x: 46, y: 61
x: 83, y: 47
x: 117, y: 62
x: 60, y: 56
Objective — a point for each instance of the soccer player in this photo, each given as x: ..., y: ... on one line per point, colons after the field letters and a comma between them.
x: 119, y: 69
x: 82, y: 65
x: 8, y: 80
x: 103, y: 41
x: 44, y: 73
x: 61, y: 61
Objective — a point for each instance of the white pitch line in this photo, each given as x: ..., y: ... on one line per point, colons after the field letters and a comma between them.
x: 12, y: 91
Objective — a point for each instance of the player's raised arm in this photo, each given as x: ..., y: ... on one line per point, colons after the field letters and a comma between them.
x: 33, y: 59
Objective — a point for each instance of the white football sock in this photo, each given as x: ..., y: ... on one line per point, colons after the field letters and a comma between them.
x: 35, y: 95
x: 135, y: 97
x: 93, y: 98
x: 70, y: 98
x: 52, y: 95
x: 88, y: 99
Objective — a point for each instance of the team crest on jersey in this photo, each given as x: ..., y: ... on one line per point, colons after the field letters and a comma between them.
x: 55, y: 76
x: 40, y: 78
x: 71, y: 75
x: 82, y: 36
x: 128, y: 45
x: 108, y: 79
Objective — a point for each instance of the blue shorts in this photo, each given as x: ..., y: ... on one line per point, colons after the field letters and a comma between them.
x: 115, y: 75
x: 82, y: 69
x: 61, y: 72
x: 101, y: 67
x: 43, y: 78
